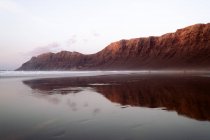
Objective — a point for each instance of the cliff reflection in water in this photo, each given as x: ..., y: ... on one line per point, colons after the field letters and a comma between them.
x: 188, y: 96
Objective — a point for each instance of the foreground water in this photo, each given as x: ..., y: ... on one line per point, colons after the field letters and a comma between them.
x: 104, y: 105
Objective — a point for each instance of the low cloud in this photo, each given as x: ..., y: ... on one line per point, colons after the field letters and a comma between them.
x: 53, y: 47
x: 71, y: 41
x: 85, y: 40
x: 96, y: 34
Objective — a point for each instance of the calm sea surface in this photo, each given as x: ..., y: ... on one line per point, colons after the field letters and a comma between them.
x: 104, y: 106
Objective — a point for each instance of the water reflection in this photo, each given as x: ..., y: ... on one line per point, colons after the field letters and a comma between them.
x: 188, y: 96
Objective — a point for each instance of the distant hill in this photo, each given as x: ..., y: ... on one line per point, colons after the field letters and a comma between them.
x: 187, y: 48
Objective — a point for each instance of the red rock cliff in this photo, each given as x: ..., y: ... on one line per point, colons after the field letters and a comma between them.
x: 187, y: 48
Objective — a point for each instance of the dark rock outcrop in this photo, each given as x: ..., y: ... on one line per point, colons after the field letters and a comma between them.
x: 187, y: 48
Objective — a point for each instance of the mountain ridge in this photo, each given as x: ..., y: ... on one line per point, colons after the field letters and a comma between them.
x: 187, y: 48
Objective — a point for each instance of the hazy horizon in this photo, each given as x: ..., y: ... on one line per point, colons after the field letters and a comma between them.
x: 30, y: 28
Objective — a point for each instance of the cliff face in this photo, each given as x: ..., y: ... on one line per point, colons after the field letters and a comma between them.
x: 51, y: 61
x: 186, y: 48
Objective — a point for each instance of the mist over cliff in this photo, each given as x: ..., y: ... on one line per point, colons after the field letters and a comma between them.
x: 187, y: 48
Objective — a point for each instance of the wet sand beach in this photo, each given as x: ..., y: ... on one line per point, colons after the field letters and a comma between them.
x: 107, y: 106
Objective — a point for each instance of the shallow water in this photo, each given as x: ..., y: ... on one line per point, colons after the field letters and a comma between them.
x: 105, y: 106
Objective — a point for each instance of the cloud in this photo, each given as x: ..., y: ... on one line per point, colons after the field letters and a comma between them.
x: 20, y: 11
x: 10, y: 6
x: 85, y: 40
x: 53, y: 47
x: 71, y: 41
x: 96, y: 34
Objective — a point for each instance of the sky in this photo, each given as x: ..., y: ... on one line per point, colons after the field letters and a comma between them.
x: 31, y: 27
